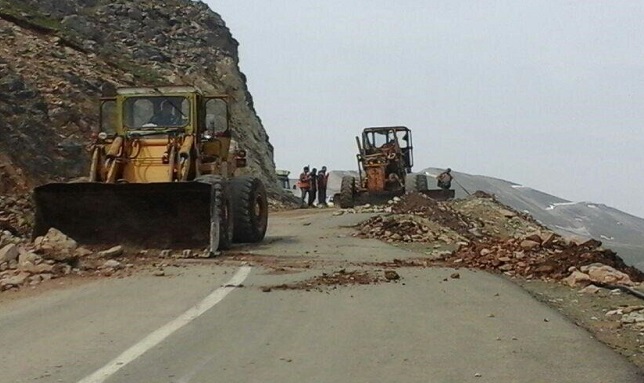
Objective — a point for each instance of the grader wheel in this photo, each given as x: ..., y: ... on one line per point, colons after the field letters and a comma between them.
x: 347, y: 191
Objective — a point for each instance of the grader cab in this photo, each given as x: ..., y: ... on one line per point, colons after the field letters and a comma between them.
x: 162, y: 174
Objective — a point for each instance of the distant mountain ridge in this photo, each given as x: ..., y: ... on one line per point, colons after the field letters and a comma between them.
x: 619, y: 231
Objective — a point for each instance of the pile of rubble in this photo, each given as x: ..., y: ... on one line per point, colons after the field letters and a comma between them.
x: 439, y: 212
x: 546, y: 255
x: 485, y: 234
x: 16, y: 215
x: 629, y: 315
x: 368, y: 208
x: 341, y: 277
x: 52, y: 256
x: 406, y: 229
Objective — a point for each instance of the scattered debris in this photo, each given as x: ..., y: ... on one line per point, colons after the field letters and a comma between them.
x: 341, y: 277
x: 391, y: 275
x: 159, y: 273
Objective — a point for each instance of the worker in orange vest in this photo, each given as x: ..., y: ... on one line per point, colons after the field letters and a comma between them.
x: 304, y: 183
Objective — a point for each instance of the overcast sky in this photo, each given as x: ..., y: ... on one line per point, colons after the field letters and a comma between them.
x: 548, y: 94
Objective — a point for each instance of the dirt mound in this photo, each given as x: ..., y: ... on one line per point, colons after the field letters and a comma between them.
x: 490, y: 236
x: 337, y: 278
x: 545, y: 257
x: 482, y: 194
x: 439, y: 212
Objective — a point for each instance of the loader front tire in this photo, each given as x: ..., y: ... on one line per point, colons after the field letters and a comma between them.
x: 221, y: 218
x: 347, y: 192
x: 250, y: 208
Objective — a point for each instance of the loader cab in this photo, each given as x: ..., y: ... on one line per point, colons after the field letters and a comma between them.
x: 163, y: 134
x: 158, y: 112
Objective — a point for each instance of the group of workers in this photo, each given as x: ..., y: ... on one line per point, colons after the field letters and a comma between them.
x: 313, y: 183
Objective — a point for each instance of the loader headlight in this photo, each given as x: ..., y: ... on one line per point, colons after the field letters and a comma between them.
x: 102, y: 136
x: 241, y: 153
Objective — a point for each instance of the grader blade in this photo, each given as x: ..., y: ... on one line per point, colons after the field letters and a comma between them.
x: 156, y: 215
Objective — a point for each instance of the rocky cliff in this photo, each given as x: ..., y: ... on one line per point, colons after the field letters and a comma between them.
x: 56, y: 58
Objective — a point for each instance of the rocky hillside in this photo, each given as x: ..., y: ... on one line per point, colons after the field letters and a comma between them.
x: 56, y: 58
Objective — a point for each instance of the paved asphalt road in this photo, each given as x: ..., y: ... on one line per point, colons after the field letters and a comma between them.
x: 195, y: 325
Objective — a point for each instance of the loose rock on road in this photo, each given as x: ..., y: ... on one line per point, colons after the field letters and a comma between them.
x: 281, y: 325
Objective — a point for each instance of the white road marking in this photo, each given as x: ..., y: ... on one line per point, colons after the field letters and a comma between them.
x: 162, y: 333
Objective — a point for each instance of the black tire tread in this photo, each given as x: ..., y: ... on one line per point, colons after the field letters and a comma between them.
x: 247, y: 227
x: 347, y: 189
x: 221, y: 196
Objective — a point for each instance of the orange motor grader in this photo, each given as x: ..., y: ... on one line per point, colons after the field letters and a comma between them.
x: 162, y: 174
x: 385, y: 159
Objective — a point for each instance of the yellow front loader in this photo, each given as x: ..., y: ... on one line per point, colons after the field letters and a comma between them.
x: 162, y: 175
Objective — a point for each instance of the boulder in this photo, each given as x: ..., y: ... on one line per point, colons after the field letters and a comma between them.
x: 57, y: 246
x: 633, y: 317
x: 9, y: 253
x: 15, y: 281
x: 391, y: 275
x: 607, y: 274
x: 547, y: 238
x: 28, y: 257
x: 590, y: 289
x: 528, y: 244
x: 111, y: 252
x: 577, y: 278
x: 112, y: 264
x: 535, y: 237
x: 83, y: 252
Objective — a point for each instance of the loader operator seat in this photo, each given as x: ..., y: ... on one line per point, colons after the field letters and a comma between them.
x: 166, y: 116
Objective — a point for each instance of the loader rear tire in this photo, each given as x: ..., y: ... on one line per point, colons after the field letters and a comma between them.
x: 250, y: 207
x: 347, y: 192
x: 221, y: 232
x: 415, y: 183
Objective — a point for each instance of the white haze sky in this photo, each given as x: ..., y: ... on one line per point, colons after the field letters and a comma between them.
x: 548, y: 94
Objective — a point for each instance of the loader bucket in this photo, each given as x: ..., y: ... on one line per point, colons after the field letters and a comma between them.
x: 439, y: 194
x: 156, y: 215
